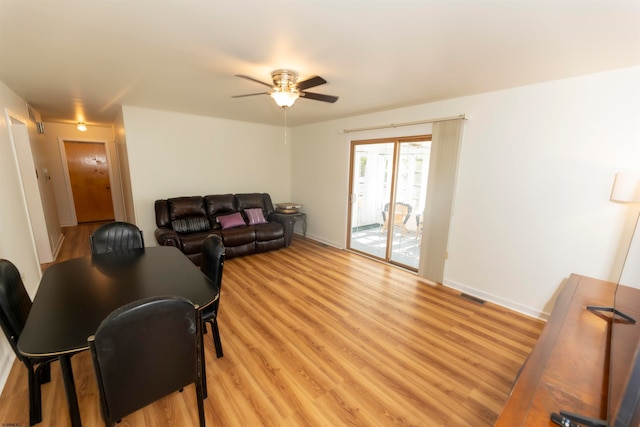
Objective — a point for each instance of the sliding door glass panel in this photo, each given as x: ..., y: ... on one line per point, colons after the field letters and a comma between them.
x: 372, y: 180
x: 410, y: 195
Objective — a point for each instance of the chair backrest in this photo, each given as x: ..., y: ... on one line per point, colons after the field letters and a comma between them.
x: 402, y: 213
x: 15, y: 303
x: 115, y: 236
x: 143, y: 351
x: 213, y: 254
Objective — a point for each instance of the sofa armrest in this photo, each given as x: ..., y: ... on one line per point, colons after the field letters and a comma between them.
x: 168, y: 237
x: 287, y: 222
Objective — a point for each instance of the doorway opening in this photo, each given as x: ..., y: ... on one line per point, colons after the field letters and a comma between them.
x: 88, y: 174
x: 388, y: 189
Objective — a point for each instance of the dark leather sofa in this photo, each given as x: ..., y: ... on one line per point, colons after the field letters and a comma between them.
x: 184, y: 222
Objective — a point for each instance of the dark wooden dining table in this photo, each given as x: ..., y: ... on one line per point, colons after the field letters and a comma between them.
x: 74, y: 297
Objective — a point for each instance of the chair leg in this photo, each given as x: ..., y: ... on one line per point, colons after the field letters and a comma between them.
x: 216, y: 338
x: 42, y: 375
x: 203, y: 364
x: 35, y: 409
x: 200, y: 396
x: 70, y: 389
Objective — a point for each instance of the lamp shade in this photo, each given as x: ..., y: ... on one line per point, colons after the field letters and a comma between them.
x: 285, y: 98
x: 626, y: 188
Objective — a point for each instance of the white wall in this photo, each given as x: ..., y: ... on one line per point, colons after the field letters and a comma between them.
x: 24, y: 135
x: 43, y: 164
x: 173, y: 154
x: 16, y: 241
x: 123, y: 161
x: 44, y: 220
x: 532, y: 197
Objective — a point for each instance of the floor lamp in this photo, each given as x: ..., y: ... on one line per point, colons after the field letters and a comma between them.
x: 626, y: 189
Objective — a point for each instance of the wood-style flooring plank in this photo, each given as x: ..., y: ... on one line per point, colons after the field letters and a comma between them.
x: 315, y: 336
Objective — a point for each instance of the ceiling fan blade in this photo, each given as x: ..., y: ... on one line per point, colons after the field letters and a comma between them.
x: 251, y: 94
x: 254, y: 80
x: 310, y: 82
x: 319, y: 97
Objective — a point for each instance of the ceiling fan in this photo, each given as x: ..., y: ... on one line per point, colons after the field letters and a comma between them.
x: 286, y: 88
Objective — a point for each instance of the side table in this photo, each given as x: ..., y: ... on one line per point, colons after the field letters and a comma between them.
x: 298, y: 216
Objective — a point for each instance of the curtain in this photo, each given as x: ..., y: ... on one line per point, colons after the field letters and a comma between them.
x: 443, y: 165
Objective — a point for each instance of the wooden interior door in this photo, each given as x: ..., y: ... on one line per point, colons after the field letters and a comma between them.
x: 90, y: 184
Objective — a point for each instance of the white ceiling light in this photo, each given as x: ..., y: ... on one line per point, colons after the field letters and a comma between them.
x: 81, y: 127
x: 285, y: 98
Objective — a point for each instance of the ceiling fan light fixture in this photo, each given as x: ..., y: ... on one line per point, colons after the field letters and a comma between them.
x: 285, y: 99
x: 286, y: 88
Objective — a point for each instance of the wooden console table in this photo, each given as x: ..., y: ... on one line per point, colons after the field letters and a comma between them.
x: 568, y: 368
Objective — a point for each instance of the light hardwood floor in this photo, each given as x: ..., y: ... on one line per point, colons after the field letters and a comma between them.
x: 315, y: 336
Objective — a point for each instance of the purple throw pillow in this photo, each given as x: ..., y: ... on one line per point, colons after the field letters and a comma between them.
x: 255, y: 216
x: 230, y: 221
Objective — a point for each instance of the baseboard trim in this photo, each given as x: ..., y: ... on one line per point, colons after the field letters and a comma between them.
x: 511, y: 305
x: 58, y: 247
x: 322, y: 241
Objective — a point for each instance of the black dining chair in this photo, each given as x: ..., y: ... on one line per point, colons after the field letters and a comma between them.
x: 115, y: 236
x: 15, y: 306
x: 144, y: 351
x: 213, y: 254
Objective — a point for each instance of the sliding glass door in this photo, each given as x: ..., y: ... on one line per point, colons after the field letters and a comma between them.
x: 388, y: 190
x: 371, y: 181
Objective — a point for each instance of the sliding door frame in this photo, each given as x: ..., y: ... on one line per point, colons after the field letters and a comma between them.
x: 353, y: 169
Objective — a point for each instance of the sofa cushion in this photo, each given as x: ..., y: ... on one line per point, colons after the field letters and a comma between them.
x: 269, y: 245
x: 192, y: 242
x: 239, y: 236
x: 190, y: 224
x: 240, y: 250
x: 231, y: 221
x: 162, y: 213
x: 181, y: 207
x: 268, y: 231
x: 250, y: 200
x: 255, y: 216
x: 220, y: 204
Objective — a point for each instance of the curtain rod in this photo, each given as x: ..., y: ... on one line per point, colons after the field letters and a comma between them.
x: 396, y: 125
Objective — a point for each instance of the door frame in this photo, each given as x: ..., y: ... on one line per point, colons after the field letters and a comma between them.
x: 18, y: 129
x: 67, y: 177
x: 397, y: 141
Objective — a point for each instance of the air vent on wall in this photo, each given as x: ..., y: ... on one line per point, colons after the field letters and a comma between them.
x: 40, y: 127
x: 32, y: 114
x: 472, y: 298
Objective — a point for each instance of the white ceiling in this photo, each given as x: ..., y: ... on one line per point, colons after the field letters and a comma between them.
x: 81, y: 60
